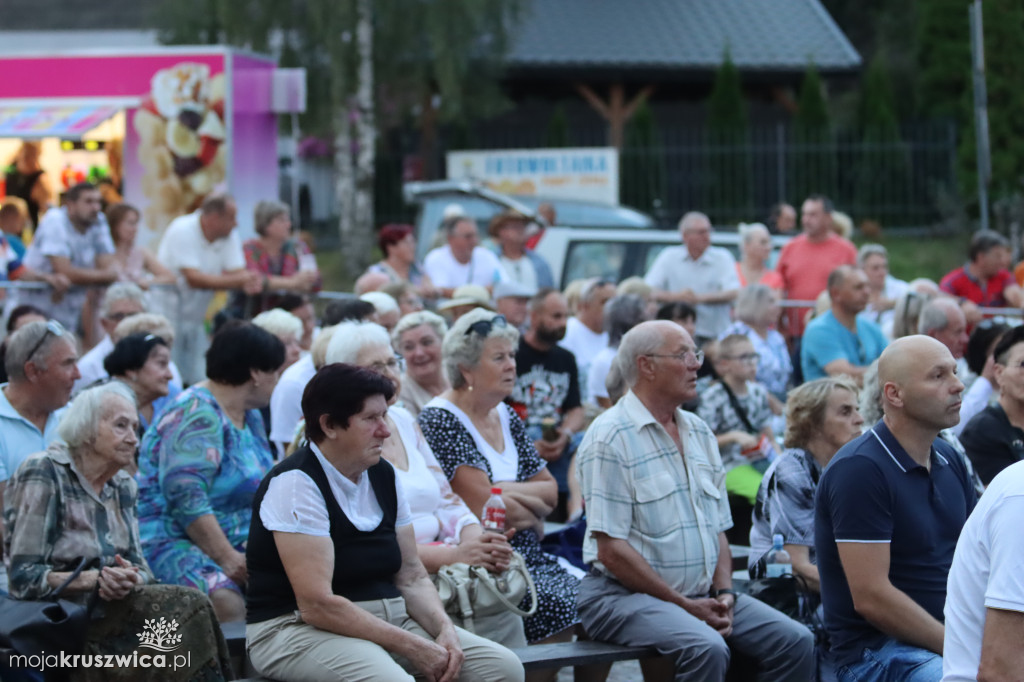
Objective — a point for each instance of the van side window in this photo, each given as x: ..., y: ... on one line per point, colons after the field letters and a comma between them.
x: 594, y: 259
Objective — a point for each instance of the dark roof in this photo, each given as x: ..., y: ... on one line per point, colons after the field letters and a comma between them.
x: 77, y: 15
x: 775, y: 35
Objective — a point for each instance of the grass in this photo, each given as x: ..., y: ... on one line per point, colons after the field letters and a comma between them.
x: 909, y: 257
x: 928, y: 256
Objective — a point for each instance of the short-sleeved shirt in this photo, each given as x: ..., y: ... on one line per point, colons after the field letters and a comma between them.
x: 19, y: 437
x: 826, y: 339
x: 637, y: 487
x: 873, y: 492
x: 962, y: 284
x: 986, y: 573
x: 721, y: 417
x: 584, y: 344
x: 286, y: 400
x: 183, y: 247
x: 194, y: 461
x: 713, y: 271
x: 11, y: 267
x: 774, y: 366
x: 445, y: 272
x: 805, y: 266
x: 547, y: 384
x: 991, y: 442
x: 785, y: 504
x: 56, y: 236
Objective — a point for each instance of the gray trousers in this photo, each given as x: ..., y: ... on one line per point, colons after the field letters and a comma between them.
x: 783, y: 648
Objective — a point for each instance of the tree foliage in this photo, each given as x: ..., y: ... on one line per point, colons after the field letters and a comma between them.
x: 643, y: 161
x: 812, y: 158
x: 727, y: 185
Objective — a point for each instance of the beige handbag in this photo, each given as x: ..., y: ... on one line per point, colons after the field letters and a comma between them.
x: 472, y: 591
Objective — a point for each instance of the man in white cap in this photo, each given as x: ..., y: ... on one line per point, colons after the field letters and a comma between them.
x: 512, y: 300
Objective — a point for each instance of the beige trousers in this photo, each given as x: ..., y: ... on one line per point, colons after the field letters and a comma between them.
x: 288, y: 649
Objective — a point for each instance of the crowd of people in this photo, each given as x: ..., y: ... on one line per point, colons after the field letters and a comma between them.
x: 309, y: 474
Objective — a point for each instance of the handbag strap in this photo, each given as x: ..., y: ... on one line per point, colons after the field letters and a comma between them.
x: 82, y: 563
x: 517, y: 565
x: 738, y: 409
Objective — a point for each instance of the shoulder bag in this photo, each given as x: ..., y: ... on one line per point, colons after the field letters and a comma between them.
x: 50, y: 625
x: 472, y: 591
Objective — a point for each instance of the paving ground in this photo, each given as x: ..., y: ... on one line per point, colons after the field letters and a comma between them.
x: 623, y: 671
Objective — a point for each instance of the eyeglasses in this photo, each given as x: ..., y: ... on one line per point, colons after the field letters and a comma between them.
x: 484, y: 327
x: 391, y: 365
x: 750, y: 358
x: 52, y: 327
x: 697, y: 356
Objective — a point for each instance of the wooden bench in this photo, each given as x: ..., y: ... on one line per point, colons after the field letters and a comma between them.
x: 537, y: 657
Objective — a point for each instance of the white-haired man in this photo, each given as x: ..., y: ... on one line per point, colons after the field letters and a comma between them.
x: 657, y: 512
x: 699, y: 274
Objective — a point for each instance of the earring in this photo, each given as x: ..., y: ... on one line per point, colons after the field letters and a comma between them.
x: 255, y: 383
x: 471, y: 388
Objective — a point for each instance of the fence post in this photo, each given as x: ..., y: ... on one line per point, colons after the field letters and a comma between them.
x: 780, y: 156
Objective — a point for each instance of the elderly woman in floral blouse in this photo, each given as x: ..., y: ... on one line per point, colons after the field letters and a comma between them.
x: 74, y: 501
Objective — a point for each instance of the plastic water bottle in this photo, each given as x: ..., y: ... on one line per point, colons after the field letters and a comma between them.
x: 494, y: 512
x: 778, y: 561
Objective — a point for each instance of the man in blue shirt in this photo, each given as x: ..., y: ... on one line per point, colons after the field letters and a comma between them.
x: 888, y: 514
x: 841, y: 342
x: 41, y: 364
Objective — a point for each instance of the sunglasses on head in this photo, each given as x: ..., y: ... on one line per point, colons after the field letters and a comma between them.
x: 483, y: 327
x: 52, y: 327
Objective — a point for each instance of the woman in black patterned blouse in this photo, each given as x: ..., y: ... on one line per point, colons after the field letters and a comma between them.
x: 480, y: 442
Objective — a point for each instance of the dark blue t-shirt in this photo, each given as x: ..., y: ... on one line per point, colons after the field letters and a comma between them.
x: 872, y: 491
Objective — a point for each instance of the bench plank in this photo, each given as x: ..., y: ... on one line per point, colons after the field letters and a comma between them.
x: 536, y: 657
x: 566, y: 654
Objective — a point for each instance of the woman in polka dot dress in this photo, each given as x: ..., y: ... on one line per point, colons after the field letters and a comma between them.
x: 479, y: 442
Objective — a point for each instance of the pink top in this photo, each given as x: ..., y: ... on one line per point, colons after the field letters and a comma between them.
x: 769, y: 278
x: 805, y: 266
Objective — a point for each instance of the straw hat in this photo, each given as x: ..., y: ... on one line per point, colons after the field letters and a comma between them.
x: 468, y: 294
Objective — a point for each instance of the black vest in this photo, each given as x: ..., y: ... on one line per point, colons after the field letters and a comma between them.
x: 365, y: 563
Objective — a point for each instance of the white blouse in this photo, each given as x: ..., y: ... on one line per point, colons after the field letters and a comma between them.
x: 504, y: 464
x: 438, y: 514
x: 293, y: 503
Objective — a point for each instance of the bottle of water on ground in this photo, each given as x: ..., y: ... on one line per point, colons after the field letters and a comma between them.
x: 494, y: 512
x: 778, y: 561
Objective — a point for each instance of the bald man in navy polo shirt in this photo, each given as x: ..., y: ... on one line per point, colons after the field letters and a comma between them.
x: 888, y: 513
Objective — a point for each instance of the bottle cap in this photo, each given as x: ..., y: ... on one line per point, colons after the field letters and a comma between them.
x: 495, y: 491
x: 777, y: 539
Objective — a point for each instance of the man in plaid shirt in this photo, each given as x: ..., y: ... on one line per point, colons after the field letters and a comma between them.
x: 657, y: 510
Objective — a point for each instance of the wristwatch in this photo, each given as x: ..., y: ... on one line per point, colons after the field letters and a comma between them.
x: 726, y: 590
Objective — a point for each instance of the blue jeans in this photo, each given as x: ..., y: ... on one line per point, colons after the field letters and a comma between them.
x: 894, y: 661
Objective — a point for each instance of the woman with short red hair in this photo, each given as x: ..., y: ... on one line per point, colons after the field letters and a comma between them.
x: 398, y: 244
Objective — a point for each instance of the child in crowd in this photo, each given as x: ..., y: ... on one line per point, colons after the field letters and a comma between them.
x: 738, y: 412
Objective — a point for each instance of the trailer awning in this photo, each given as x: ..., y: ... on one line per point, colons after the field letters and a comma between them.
x: 32, y: 121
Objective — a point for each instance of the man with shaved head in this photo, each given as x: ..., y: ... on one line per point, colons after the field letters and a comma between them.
x: 888, y: 513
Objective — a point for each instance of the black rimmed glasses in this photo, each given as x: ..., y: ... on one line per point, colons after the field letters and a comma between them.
x: 484, y: 327
x: 696, y: 355
x: 52, y: 327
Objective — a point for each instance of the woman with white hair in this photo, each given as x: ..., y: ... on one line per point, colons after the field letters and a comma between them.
x: 446, y: 530
x: 285, y: 326
x: 480, y: 442
x: 417, y: 338
x: 757, y: 313
x: 76, y: 502
x: 755, y: 252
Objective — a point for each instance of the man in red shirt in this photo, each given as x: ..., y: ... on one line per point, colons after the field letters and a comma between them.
x: 985, y: 279
x: 807, y: 260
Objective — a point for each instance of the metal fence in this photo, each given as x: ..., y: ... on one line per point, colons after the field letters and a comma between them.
x: 898, y: 179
